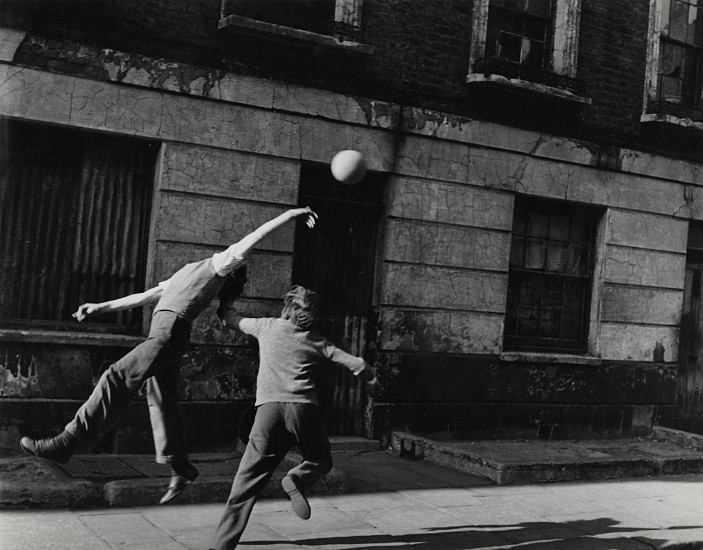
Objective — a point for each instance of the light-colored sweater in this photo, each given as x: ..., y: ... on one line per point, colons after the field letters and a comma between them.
x: 287, y: 357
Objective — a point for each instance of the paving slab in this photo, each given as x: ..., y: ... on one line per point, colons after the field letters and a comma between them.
x: 538, y: 461
x: 395, y: 503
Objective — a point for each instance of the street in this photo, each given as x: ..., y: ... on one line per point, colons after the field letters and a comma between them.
x: 398, y: 503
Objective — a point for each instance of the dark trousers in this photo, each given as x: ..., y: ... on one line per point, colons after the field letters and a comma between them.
x: 277, y: 427
x: 156, y: 361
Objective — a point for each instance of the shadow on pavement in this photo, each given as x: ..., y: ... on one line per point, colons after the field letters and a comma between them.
x: 528, y: 535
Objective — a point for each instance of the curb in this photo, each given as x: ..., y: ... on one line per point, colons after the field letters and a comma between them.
x: 38, y: 483
x: 211, y: 489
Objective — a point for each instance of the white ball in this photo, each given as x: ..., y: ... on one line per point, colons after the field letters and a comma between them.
x: 348, y: 166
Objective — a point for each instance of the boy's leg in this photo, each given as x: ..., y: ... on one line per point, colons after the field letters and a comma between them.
x: 167, y: 429
x: 161, y: 352
x: 166, y: 420
x: 268, y: 444
x: 117, y: 386
x: 305, y: 423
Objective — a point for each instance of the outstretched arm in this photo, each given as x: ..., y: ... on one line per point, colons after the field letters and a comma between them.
x: 244, y: 246
x: 127, y: 302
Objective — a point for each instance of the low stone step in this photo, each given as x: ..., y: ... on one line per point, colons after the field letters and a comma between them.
x: 538, y: 461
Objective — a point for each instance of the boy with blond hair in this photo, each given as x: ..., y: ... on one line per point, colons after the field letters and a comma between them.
x: 287, y: 411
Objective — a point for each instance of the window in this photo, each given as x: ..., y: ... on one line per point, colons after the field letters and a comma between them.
x: 675, y: 72
x: 532, y: 40
x: 74, y: 216
x: 518, y: 33
x: 549, y: 282
x: 337, y: 18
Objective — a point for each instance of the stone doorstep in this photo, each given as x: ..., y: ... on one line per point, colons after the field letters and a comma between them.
x: 536, y: 461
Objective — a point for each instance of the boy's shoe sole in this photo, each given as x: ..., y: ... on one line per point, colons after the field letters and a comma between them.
x: 297, y: 499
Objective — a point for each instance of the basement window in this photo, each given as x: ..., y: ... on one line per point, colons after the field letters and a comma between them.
x: 550, y: 276
x: 74, y: 222
x: 674, y: 83
x: 523, y: 42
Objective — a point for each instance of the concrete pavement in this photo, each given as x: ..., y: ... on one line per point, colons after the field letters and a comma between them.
x: 394, y: 502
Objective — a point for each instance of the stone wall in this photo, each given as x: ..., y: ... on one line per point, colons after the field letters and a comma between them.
x: 232, y: 146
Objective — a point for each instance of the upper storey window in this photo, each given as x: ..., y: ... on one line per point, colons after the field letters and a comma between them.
x: 314, y: 20
x: 526, y: 41
x: 680, y: 53
x: 518, y: 33
x: 675, y: 71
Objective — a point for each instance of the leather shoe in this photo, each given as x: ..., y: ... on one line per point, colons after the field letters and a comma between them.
x: 58, y: 449
x: 183, y: 473
x: 297, y: 498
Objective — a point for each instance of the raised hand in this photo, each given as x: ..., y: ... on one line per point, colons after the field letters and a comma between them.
x: 307, y: 211
x: 85, y: 310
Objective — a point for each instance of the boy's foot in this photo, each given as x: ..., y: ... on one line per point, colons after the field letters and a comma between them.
x: 183, y: 473
x: 58, y: 449
x: 297, y: 498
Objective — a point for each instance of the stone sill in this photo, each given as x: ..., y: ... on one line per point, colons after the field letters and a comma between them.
x: 670, y: 119
x: 297, y: 34
x: 565, y: 358
x: 68, y: 338
x: 478, y: 78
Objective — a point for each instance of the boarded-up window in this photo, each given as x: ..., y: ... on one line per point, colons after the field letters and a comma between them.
x: 74, y: 215
x: 551, y: 268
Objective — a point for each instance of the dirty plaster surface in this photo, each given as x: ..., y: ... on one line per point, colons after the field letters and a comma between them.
x: 393, y: 502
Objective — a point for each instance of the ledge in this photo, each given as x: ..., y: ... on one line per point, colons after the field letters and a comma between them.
x: 296, y: 34
x: 478, y: 78
x: 565, y: 358
x: 68, y: 338
x: 670, y: 119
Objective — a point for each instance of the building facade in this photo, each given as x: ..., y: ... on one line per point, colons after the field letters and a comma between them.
x: 522, y: 260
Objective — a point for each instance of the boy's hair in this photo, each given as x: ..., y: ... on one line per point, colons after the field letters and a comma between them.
x: 300, y: 306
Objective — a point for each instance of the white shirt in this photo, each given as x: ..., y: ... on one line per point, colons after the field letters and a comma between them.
x: 222, y: 262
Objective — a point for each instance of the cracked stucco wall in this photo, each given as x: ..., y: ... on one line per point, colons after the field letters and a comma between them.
x: 232, y: 148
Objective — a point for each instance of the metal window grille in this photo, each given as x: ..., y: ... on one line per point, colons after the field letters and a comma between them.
x: 549, y: 282
x: 74, y: 214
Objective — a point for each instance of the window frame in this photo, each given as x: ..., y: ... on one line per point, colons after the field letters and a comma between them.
x: 99, y: 229
x: 653, y: 108
x: 562, y: 60
x: 523, y: 343
x: 347, y: 24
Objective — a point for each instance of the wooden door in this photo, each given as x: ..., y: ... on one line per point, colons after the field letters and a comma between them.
x: 338, y: 261
x: 688, y: 415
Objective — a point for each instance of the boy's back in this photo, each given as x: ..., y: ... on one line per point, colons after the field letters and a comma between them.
x: 288, y: 356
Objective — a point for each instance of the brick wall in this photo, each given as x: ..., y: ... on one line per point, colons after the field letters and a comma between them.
x: 421, y: 59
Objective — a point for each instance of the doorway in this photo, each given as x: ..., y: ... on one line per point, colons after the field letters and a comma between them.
x: 338, y: 261
x: 688, y: 413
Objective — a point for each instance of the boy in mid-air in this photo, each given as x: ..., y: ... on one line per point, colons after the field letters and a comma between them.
x: 157, y: 360
x: 287, y: 411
